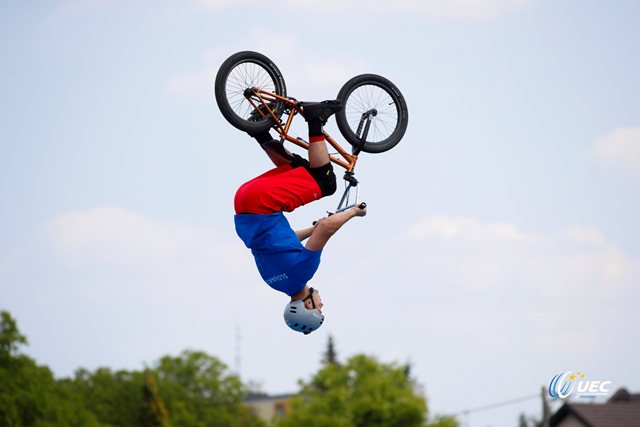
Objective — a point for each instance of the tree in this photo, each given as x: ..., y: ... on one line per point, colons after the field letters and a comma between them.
x: 199, y: 391
x: 153, y: 412
x: 330, y: 356
x: 361, y: 393
x: 528, y: 421
x: 10, y: 336
x: 29, y: 394
x: 114, y: 397
x: 444, y: 421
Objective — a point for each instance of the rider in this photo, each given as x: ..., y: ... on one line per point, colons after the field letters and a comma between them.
x: 282, y: 261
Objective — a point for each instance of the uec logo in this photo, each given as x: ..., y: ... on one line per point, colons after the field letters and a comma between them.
x: 559, y: 387
x: 563, y: 384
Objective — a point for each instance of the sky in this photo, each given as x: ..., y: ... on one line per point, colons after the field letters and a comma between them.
x: 501, y: 245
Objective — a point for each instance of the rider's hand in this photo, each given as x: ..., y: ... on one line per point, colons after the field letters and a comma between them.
x: 359, y: 211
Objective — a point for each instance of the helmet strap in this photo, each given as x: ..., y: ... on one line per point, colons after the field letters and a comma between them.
x: 310, y: 296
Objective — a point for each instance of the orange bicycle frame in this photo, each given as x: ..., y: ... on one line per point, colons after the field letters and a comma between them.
x: 346, y: 160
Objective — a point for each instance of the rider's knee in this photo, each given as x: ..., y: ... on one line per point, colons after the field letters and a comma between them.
x: 325, y: 178
x: 331, y: 184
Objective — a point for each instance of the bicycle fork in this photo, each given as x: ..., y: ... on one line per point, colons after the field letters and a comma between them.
x: 352, y: 182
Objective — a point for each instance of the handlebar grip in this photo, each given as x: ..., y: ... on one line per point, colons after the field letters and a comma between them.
x: 362, y: 205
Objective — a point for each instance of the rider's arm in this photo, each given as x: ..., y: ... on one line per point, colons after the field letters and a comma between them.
x: 327, y: 227
x: 305, y: 233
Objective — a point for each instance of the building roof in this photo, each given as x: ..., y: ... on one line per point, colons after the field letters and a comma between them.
x: 622, y: 410
x: 623, y: 395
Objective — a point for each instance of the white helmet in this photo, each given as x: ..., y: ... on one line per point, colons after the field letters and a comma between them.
x: 302, y: 319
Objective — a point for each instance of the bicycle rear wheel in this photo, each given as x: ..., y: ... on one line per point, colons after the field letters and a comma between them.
x: 242, y: 71
x: 376, y: 98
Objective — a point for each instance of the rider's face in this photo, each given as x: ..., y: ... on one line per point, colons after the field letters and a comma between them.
x: 317, y: 301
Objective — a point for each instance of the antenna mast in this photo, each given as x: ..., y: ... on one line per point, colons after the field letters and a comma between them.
x: 238, y: 342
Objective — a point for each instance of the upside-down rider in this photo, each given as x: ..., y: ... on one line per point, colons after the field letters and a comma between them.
x: 283, y: 262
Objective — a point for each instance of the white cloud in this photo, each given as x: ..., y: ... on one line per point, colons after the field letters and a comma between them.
x: 619, y: 150
x: 498, y: 255
x: 586, y: 235
x: 442, y: 226
x: 455, y: 277
x: 475, y: 9
x: 444, y: 9
x: 450, y: 9
x: 493, y: 282
x: 117, y: 248
x: 216, y: 5
x: 113, y: 235
x: 123, y: 254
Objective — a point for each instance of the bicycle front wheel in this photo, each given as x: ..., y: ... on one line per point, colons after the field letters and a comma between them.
x: 236, y: 77
x: 369, y: 97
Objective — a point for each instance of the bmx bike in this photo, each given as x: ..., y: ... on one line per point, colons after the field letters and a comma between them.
x: 252, y: 96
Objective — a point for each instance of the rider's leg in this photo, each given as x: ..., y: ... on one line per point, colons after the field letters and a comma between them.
x: 276, y: 151
x: 318, y: 152
x: 316, y: 114
x: 297, y: 181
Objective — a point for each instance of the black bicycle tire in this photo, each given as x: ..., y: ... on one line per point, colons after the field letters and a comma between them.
x: 394, y: 93
x: 224, y: 104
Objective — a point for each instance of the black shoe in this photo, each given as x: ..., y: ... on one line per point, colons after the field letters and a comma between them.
x: 255, y: 116
x: 321, y: 110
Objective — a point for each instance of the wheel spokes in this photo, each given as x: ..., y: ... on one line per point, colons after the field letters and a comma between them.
x: 366, y: 98
x: 246, y: 75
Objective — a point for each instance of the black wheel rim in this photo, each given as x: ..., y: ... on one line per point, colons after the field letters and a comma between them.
x: 247, y: 75
x: 368, y: 97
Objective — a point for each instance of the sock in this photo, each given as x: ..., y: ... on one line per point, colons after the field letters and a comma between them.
x: 315, y: 129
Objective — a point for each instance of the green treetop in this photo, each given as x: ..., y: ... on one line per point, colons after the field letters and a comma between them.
x: 361, y: 393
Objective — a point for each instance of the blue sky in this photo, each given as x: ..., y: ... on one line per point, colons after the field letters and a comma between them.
x: 502, y: 243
